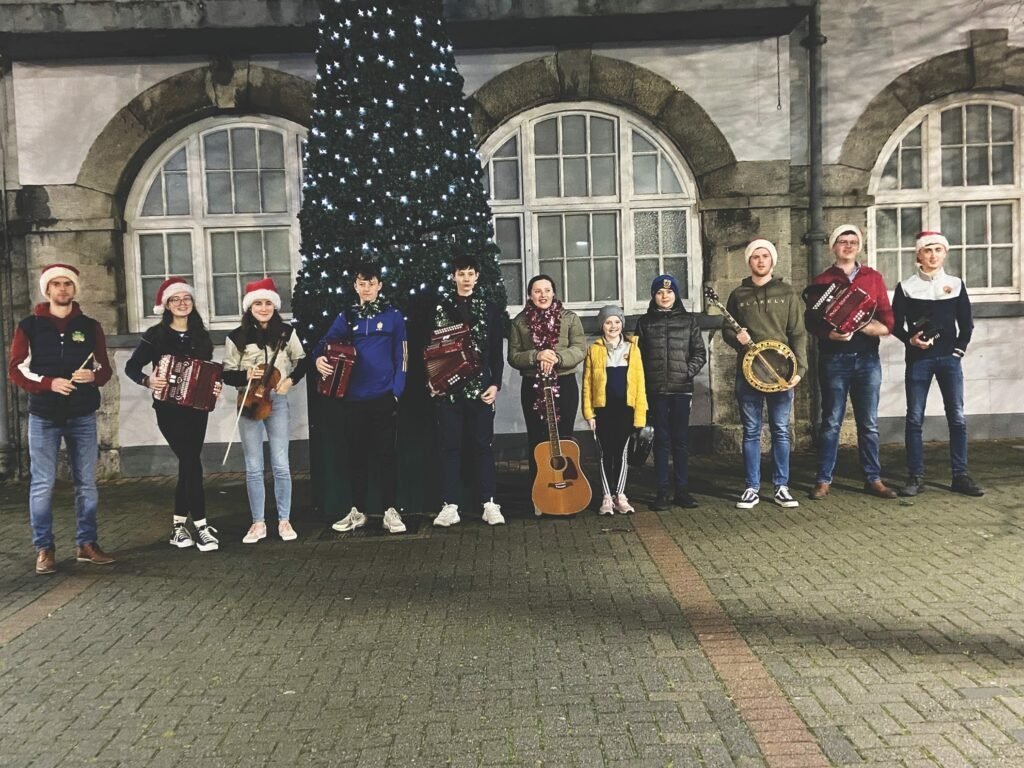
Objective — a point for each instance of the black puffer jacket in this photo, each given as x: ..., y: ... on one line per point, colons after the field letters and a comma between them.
x: 672, y: 349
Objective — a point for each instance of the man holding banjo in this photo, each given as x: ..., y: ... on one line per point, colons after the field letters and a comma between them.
x: 764, y: 309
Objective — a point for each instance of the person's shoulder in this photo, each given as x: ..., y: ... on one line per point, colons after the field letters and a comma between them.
x: 568, y: 314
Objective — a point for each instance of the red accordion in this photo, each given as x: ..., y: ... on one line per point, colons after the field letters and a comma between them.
x: 342, y: 357
x: 450, y: 358
x: 845, y: 308
x: 190, y: 382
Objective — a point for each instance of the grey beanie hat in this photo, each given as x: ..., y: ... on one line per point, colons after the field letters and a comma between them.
x: 610, y: 310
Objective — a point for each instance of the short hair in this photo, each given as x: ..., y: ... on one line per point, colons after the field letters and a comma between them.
x: 465, y: 261
x: 367, y: 270
x: 535, y: 278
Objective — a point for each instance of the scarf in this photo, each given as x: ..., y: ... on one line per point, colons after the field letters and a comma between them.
x: 545, y: 325
x: 375, y: 307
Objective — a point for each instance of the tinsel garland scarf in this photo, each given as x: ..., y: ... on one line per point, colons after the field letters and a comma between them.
x: 545, y: 325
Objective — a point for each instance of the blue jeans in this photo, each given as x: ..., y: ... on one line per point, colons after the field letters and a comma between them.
x: 83, y: 449
x: 780, y: 405
x: 669, y: 414
x: 859, y: 375
x: 275, y: 427
x: 947, y: 371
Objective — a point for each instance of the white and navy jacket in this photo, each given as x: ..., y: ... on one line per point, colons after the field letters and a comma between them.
x: 940, y: 298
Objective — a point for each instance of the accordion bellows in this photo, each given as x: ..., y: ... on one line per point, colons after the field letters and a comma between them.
x: 845, y: 308
x: 342, y: 357
x: 190, y: 382
x: 450, y: 359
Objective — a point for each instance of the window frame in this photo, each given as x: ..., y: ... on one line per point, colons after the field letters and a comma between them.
x: 199, y: 223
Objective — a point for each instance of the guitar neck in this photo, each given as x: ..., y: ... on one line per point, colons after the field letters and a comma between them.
x: 549, y: 407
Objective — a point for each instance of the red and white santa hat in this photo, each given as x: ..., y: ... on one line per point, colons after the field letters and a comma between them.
x: 261, y: 289
x: 172, y: 286
x: 844, y: 229
x: 54, y: 271
x: 768, y: 245
x: 925, y: 239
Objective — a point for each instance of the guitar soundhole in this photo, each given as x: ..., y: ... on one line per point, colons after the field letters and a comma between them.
x: 558, y: 463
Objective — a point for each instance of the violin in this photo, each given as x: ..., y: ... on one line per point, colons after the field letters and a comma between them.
x: 255, y: 403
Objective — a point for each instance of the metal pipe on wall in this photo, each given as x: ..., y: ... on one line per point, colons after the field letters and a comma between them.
x: 9, y: 458
x: 815, y: 237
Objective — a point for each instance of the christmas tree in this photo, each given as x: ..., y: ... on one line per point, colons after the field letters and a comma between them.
x: 391, y: 171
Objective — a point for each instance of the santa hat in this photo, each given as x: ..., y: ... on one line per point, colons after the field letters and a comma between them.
x: 172, y: 286
x: 844, y: 229
x: 762, y: 243
x: 261, y: 289
x: 925, y: 239
x: 54, y: 271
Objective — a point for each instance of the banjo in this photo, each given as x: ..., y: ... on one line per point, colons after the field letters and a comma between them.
x: 769, y: 365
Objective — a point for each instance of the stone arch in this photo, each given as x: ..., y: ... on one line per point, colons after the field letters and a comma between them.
x: 576, y: 75
x: 224, y: 87
x: 988, y: 65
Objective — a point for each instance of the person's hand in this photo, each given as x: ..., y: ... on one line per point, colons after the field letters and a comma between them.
x: 284, y: 385
x: 920, y: 343
x: 743, y: 337
x: 592, y: 423
x: 489, y: 395
x: 62, y: 386
x: 256, y: 372
x: 156, y: 383
x: 794, y: 382
x: 323, y: 366
x: 218, y: 387
x: 548, y: 356
x: 83, y: 376
x: 836, y: 336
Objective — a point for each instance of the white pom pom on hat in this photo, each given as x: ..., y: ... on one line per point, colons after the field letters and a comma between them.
x: 53, y: 271
x: 172, y: 286
x: 931, y: 238
x: 768, y: 245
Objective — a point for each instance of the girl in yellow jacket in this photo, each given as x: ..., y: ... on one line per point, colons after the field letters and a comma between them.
x: 614, y: 403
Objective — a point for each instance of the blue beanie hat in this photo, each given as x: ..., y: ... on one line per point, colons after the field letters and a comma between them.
x: 665, y: 281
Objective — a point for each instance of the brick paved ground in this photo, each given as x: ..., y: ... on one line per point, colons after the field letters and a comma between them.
x: 849, y: 631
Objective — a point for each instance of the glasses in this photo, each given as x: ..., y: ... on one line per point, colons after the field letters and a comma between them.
x: 177, y: 301
x: 851, y: 243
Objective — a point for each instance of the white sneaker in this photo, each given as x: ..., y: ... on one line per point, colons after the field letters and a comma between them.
x: 784, y: 498
x: 285, y: 531
x: 492, y: 514
x: 748, y: 500
x: 393, y: 521
x: 449, y: 515
x: 606, y: 507
x: 256, y: 532
x: 622, y: 505
x: 354, y: 519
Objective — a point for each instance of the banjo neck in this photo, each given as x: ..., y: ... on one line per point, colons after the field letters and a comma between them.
x: 712, y: 298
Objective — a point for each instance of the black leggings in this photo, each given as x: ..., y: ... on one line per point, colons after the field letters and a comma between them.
x: 536, y: 428
x: 185, y: 432
x: 614, y: 425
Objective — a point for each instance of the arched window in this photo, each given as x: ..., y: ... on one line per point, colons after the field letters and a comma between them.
x: 595, y: 197
x: 217, y: 204
x: 954, y: 166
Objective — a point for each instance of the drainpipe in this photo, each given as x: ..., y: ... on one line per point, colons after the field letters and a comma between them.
x: 9, y: 460
x: 815, y: 237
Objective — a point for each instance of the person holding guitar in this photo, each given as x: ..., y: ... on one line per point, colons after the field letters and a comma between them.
x: 764, y: 307
x: 264, y: 359
x: 547, y: 345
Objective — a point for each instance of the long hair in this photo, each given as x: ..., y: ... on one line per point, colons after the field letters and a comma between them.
x: 276, y: 330
x: 202, y: 344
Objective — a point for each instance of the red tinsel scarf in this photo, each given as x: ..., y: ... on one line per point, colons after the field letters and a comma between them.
x: 545, y: 326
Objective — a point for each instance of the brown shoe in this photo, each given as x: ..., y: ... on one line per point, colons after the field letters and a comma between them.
x: 46, y: 561
x: 91, y: 553
x: 820, y: 491
x: 880, y: 489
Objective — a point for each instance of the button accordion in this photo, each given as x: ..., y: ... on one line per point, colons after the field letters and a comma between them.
x: 190, y: 382
x: 450, y: 358
x: 845, y: 308
x: 342, y: 357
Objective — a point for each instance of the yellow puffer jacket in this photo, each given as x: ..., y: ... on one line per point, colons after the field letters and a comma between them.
x: 595, y: 380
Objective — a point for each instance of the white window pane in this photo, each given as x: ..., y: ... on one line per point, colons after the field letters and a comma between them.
x: 225, y: 296
x: 646, y: 270
x: 888, y: 265
x: 976, y: 267
x: 218, y: 192
x: 1002, y: 124
x: 276, y: 243
x: 575, y: 177
x: 911, y: 177
x: 1002, y: 224
x: 574, y: 135
x: 669, y: 183
x: 606, y: 240
x: 149, y: 289
x: 950, y: 217
x: 283, y: 281
x: 1002, y: 164
x: 952, y: 167
x: 645, y: 179
x: 271, y: 150
x: 977, y: 166
x: 602, y: 136
x: 640, y: 144
x: 215, y: 150
x: 250, y: 252
x: 177, y: 162
x: 602, y: 176
x: 554, y: 270
x: 549, y: 231
x: 508, y: 238
x: 247, y: 192
x: 977, y: 124
x: 673, y: 232
x: 977, y: 224
x: 509, y: 149
x: 272, y: 191
x: 952, y: 127
x: 954, y: 262
x: 177, y: 194
x: 179, y: 251
x: 910, y: 225
x: 908, y: 260
x: 547, y: 178
x: 606, y: 279
x: 151, y: 252
x: 512, y: 274
x: 1002, y: 267
x: 154, y: 204
x: 506, y: 180
x: 577, y: 236
x: 890, y: 174
x: 577, y: 281
x: 679, y: 269
x: 487, y: 180
x: 222, y: 244
x: 545, y: 137
x: 913, y: 139
x: 885, y: 228
x: 645, y: 234
x: 243, y: 148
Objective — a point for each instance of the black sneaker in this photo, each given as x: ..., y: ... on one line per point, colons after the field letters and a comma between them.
x: 180, y: 536
x: 207, y: 542
x: 914, y: 486
x: 684, y: 499
x: 661, y: 502
x: 963, y: 484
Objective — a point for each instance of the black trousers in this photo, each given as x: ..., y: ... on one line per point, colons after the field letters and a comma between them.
x: 185, y: 432
x: 614, y: 424
x: 452, y: 418
x: 370, y: 431
x: 536, y: 429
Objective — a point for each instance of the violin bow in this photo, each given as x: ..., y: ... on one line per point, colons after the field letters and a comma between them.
x: 235, y: 428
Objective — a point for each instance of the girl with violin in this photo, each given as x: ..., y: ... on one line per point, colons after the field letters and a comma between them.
x: 263, y: 358
x: 181, y: 333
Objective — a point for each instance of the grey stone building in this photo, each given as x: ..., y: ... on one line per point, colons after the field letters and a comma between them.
x: 621, y: 139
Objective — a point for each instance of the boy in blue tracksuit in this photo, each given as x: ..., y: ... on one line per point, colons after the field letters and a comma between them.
x: 377, y: 330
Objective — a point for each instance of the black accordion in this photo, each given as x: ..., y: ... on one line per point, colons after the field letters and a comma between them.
x: 450, y: 359
x: 190, y: 382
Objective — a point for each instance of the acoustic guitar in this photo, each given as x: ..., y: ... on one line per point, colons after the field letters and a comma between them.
x: 560, y: 487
